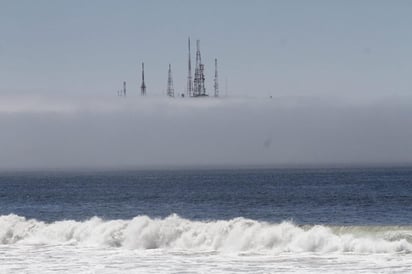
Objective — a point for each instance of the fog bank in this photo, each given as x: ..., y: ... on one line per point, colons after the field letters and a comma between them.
x: 115, y: 132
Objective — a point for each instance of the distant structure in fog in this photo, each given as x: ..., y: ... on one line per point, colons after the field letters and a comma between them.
x: 195, y: 85
x: 199, y: 81
x: 189, y: 89
x: 170, y: 89
x: 143, y: 86
x: 216, y: 83
x: 122, y: 92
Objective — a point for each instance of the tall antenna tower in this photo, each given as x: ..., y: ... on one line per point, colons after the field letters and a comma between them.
x: 216, y: 83
x: 189, y: 74
x: 199, y: 81
x: 170, y: 89
x: 143, y: 86
x: 124, y: 88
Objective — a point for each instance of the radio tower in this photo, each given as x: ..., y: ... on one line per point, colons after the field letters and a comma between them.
x: 189, y: 74
x: 143, y: 86
x: 170, y: 89
x: 216, y: 84
x: 124, y: 88
x: 199, y: 81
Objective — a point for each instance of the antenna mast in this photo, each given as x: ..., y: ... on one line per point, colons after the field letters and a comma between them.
x: 189, y: 73
x: 199, y: 81
x: 170, y: 89
x: 216, y: 84
x: 143, y: 86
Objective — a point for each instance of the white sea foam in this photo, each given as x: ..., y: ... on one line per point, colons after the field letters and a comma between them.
x: 177, y: 245
x: 176, y: 233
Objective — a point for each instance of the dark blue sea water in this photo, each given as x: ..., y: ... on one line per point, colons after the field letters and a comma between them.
x: 306, y: 196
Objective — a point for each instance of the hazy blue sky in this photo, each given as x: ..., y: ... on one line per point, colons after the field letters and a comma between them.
x: 303, y: 48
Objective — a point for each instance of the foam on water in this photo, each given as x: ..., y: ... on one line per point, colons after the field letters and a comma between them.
x: 226, y: 236
x: 178, y: 245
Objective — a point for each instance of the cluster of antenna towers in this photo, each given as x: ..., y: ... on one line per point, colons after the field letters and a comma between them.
x: 195, y: 85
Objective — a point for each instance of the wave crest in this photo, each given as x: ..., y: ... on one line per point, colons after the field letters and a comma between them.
x: 236, y: 235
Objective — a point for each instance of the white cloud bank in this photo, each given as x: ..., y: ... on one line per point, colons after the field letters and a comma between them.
x: 69, y: 132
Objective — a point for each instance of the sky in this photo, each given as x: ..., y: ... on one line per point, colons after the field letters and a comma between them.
x: 278, y: 48
x: 301, y: 82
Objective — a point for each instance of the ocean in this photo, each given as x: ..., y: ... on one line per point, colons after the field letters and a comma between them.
x: 354, y: 220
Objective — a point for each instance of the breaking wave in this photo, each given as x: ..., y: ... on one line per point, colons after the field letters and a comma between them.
x: 236, y: 235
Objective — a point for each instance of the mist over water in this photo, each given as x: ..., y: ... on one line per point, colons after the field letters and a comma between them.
x: 74, y: 132
x: 188, y: 220
x: 303, y: 165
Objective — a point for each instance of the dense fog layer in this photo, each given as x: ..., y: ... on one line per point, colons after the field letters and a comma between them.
x: 132, y: 132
